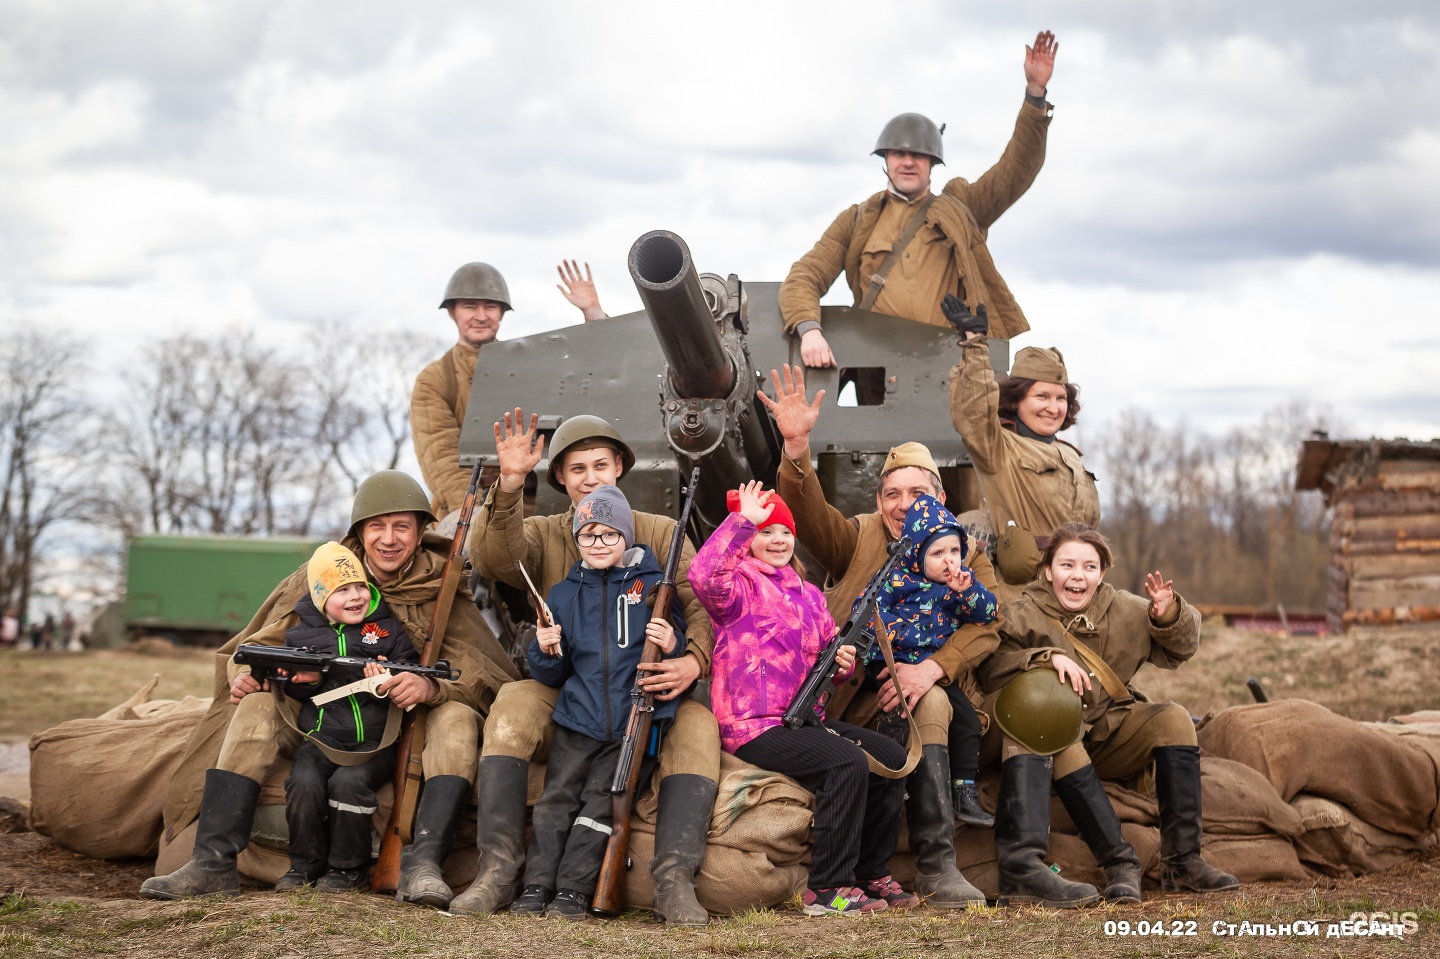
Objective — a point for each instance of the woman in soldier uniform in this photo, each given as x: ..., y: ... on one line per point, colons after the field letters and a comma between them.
x: 1032, y: 480
x: 1096, y: 638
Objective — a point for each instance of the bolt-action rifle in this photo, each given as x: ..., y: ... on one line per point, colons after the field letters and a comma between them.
x: 408, y: 774
x: 610, y: 888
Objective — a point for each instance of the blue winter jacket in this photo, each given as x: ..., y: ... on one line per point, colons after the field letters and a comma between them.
x: 602, y: 615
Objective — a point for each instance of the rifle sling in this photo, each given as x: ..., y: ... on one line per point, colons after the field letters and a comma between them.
x: 877, y: 279
x: 1100, y: 669
x: 289, y: 711
x: 914, y: 747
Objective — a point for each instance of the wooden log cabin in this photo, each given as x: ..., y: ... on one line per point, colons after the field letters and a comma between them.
x: 1385, y: 538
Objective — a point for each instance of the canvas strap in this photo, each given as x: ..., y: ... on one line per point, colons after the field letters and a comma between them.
x: 1099, y: 668
x: 289, y: 711
x: 912, y: 755
x: 877, y: 280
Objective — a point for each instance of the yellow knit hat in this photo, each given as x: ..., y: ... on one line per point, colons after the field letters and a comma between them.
x: 910, y: 454
x: 331, y: 567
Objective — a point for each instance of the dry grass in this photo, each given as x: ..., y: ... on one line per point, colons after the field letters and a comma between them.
x: 42, y: 689
x: 1365, y: 676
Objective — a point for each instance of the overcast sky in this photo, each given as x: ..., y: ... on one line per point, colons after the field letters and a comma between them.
x: 1239, y: 203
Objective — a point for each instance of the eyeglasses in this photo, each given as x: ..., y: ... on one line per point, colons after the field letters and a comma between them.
x: 610, y: 537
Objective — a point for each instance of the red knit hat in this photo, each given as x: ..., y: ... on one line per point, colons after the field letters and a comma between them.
x: 779, y: 512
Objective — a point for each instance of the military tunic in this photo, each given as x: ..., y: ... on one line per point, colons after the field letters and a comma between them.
x: 437, y: 412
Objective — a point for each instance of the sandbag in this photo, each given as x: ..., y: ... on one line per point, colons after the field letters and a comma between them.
x: 1339, y: 843
x: 1389, y: 781
x: 97, y: 785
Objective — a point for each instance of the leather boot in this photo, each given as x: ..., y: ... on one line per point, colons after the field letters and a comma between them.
x: 931, y: 820
x: 227, y: 812
x: 1086, y: 802
x: 436, y: 819
x: 1177, y: 792
x: 1022, y: 838
x: 681, y: 827
x: 500, y: 835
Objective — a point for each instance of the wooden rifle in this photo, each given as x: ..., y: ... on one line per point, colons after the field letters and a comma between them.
x: 409, y: 776
x: 610, y: 888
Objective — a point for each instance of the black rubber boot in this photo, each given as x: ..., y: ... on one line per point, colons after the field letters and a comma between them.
x: 965, y: 797
x: 1086, y: 802
x: 1022, y: 838
x: 299, y: 876
x: 227, y: 812
x: 500, y: 835
x: 1177, y: 792
x: 931, y: 821
x: 681, y: 827
x: 338, y: 880
x: 533, y: 901
x: 436, y: 819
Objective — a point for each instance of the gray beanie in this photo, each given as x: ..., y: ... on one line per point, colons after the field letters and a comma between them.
x: 608, y: 507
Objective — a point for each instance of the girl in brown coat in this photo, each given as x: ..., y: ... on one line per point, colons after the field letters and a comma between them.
x: 1069, y: 617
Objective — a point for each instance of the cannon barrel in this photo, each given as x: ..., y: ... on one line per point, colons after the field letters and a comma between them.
x: 670, y: 291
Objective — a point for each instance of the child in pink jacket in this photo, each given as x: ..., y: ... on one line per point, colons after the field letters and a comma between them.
x: 770, y: 627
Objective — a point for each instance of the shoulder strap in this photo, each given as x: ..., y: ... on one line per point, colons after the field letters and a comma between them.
x: 289, y: 709
x: 1118, y: 691
x: 877, y: 281
x: 914, y: 746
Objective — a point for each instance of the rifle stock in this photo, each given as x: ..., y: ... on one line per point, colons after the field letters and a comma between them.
x: 409, y: 776
x: 609, y: 897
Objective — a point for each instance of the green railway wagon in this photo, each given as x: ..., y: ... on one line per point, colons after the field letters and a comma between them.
x: 204, y: 588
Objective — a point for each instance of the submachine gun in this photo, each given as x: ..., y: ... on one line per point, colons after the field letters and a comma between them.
x: 266, y: 662
x: 853, y: 633
x: 610, y: 888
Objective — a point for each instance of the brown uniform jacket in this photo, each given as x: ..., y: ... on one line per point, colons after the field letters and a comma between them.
x: 852, y: 551
x: 948, y: 255
x: 437, y: 411
x: 1038, y: 485
x: 501, y: 537
x: 1116, y: 626
x: 468, y: 644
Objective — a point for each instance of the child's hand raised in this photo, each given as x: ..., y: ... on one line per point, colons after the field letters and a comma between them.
x: 752, y: 503
x: 662, y: 634
x: 549, y: 639
x: 1161, y: 592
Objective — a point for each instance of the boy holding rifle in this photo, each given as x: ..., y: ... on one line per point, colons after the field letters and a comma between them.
x: 590, y: 653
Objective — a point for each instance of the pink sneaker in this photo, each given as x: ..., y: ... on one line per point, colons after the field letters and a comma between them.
x: 887, y: 889
x: 840, y: 901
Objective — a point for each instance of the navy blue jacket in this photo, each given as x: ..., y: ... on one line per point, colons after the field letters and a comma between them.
x: 357, y: 721
x: 602, y: 615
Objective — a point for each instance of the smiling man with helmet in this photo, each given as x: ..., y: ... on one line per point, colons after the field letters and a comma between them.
x: 904, y: 248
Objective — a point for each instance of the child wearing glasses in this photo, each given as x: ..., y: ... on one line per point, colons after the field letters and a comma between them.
x: 602, y: 621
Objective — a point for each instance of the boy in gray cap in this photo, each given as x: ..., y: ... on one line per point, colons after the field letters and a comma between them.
x: 590, y: 653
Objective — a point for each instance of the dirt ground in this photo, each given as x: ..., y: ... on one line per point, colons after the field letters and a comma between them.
x: 56, y: 903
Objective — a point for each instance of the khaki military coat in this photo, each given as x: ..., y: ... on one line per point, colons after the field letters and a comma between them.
x: 467, y: 643
x: 437, y: 411
x: 502, y: 536
x: 852, y: 551
x: 948, y: 255
x: 1038, y: 485
x: 1116, y: 626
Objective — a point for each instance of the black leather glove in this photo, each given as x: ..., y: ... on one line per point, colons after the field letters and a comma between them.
x: 962, y: 319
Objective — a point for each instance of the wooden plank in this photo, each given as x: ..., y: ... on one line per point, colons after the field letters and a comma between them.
x: 1391, y: 615
x: 1388, y: 503
x: 1408, y: 475
x: 1422, y: 526
x: 1406, y: 591
x: 1395, y: 565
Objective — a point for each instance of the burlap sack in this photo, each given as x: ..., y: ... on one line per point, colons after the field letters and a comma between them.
x: 1390, y: 781
x: 1339, y: 843
x: 97, y: 785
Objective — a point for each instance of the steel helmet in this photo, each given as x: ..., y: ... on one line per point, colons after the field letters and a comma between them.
x: 913, y: 133
x: 476, y: 281
x: 1039, y: 712
x: 574, y: 432
x: 389, y: 491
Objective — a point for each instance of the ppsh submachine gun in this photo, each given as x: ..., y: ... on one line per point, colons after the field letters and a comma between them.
x: 678, y: 380
x: 268, y: 662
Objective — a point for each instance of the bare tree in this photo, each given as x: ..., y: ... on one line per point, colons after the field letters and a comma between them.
x: 41, y: 416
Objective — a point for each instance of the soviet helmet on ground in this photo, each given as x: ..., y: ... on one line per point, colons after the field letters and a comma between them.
x: 1039, y: 712
x: 585, y: 432
x: 389, y: 491
x: 913, y: 133
x: 476, y: 281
